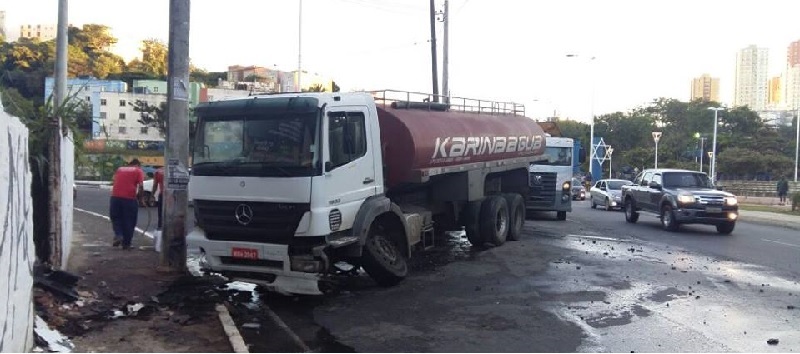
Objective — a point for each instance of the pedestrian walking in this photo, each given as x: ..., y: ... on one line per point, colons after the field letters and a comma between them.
x: 124, y: 206
x: 158, y: 185
x: 783, y: 189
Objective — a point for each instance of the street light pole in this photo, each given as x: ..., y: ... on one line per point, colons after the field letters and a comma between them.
x: 702, y: 141
x: 656, y: 137
x: 592, y: 148
x: 714, y: 144
x: 610, y: 152
x: 797, y: 143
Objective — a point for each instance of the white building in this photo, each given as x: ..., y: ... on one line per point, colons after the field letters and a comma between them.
x: 114, y: 112
x: 752, y: 82
x: 39, y: 32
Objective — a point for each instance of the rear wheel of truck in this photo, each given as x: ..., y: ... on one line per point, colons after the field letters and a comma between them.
x: 561, y: 215
x: 631, y: 215
x: 471, y: 219
x: 726, y: 228
x: 668, y: 218
x: 382, y: 258
x: 516, y: 214
x: 494, y: 222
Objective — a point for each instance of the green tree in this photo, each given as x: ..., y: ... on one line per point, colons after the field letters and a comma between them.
x: 154, y: 58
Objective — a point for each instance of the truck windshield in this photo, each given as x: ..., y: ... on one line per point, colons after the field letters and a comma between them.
x: 557, y: 156
x: 258, y: 145
x: 686, y: 180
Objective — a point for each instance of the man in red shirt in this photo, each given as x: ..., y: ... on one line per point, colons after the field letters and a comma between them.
x: 158, y: 185
x: 124, y: 207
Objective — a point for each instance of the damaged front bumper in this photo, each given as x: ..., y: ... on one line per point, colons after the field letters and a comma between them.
x: 268, y: 265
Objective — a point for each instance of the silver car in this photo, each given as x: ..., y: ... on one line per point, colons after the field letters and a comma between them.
x: 607, y: 192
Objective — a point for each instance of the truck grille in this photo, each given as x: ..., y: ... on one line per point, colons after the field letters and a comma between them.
x: 710, y: 200
x: 270, y: 222
x: 543, y: 188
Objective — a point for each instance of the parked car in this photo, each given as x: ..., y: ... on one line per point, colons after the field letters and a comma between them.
x: 578, y: 190
x: 608, y: 193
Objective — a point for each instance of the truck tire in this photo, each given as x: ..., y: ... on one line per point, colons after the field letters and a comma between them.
x: 668, y: 218
x: 561, y: 215
x: 494, y: 222
x: 516, y: 215
x: 631, y: 215
x: 470, y: 216
x: 726, y: 228
x: 382, y: 258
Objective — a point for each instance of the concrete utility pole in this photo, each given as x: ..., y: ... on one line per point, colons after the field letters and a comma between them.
x: 173, y: 241
x: 445, y: 53
x: 434, y: 65
x: 54, y: 149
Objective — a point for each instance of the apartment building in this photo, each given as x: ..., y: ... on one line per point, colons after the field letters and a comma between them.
x: 117, y: 119
x: 38, y: 32
x: 705, y: 87
x: 751, y: 81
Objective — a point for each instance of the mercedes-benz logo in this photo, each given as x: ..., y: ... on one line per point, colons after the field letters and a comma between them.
x: 537, y: 179
x: 244, y: 214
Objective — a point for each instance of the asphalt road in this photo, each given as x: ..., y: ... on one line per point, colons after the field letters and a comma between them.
x: 591, y: 283
x: 96, y: 200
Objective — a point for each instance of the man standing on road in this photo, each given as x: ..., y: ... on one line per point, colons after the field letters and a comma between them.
x: 783, y: 189
x: 124, y: 206
x: 158, y: 184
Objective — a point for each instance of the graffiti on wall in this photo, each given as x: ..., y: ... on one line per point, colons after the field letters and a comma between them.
x: 16, y: 239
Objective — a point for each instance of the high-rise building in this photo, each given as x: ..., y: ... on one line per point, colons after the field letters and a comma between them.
x: 705, y: 87
x: 3, y: 32
x: 39, y: 32
x: 775, y: 93
x: 752, y: 80
x: 792, y: 76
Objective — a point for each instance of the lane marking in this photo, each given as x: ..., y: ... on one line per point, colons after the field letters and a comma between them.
x: 780, y: 243
x: 598, y: 238
x: 109, y: 220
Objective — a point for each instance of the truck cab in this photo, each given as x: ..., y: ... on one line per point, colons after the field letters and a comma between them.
x: 551, y: 178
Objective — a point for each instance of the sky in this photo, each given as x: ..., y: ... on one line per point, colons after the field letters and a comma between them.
x: 504, y: 50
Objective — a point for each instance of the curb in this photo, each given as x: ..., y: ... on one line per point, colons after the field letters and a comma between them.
x: 237, y: 342
x: 771, y: 222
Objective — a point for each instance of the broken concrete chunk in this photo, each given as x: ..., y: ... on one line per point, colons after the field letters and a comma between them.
x: 772, y: 341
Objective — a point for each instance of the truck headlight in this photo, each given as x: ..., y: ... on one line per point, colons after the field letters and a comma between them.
x: 685, y: 198
x: 566, y: 186
x: 731, y: 201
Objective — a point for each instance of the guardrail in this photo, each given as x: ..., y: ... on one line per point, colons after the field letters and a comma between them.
x: 756, y: 188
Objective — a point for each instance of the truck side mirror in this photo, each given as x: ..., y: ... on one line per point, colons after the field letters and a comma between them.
x: 655, y: 185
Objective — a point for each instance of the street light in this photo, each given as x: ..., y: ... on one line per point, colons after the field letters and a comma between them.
x: 592, y: 148
x: 702, y: 141
x: 610, y: 151
x: 714, y: 144
x: 656, y: 137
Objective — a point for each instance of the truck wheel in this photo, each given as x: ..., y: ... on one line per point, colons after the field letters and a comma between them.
x: 668, y: 218
x: 561, y: 215
x: 382, y: 258
x: 726, y: 228
x: 494, y: 223
x: 631, y: 215
x: 516, y: 214
x: 470, y: 216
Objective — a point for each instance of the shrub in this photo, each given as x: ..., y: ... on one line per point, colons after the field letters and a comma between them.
x: 795, y: 201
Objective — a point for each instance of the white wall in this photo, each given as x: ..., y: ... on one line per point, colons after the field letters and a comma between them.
x: 16, y: 238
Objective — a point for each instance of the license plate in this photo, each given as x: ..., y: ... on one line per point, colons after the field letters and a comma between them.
x: 713, y: 210
x: 245, y: 253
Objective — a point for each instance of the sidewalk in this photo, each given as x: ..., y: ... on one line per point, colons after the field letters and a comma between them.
x: 768, y: 218
x: 126, y: 305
